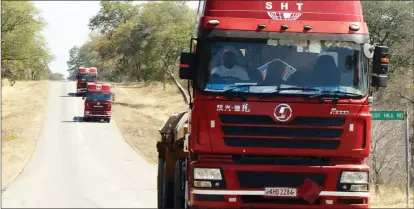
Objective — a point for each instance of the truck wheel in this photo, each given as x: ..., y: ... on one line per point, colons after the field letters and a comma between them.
x: 161, y: 184
x: 179, y: 184
x: 85, y: 119
x: 108, y: 120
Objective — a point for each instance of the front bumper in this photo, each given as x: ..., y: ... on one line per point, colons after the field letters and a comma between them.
x: 97, y: 114
x: 238, y: 193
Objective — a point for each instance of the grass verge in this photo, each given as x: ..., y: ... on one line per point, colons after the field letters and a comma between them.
x: 22, y: 116
x: 140, y: 110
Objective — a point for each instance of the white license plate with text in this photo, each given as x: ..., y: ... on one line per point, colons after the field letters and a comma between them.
x: 281, y: 192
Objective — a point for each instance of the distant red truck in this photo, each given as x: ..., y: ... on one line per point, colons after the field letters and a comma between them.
x: 85, y: 75
x: 98, y: 102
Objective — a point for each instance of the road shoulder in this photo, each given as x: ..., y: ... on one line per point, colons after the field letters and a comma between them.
x: 23, y: 111
x: 140, y: 110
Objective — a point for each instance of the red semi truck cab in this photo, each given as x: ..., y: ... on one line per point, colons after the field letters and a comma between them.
x: 85, y: 75
x: 280, y: 109
x: 98, y: 102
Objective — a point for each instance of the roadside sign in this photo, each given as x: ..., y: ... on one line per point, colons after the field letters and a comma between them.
x: 398, y: 115
x: 387, y: 115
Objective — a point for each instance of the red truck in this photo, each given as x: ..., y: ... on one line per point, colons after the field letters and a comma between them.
x: 85, y: 75
x: 98, y: 102
x: 280, y: 108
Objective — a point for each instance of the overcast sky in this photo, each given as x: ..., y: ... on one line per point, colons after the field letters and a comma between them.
x: 68, y: 26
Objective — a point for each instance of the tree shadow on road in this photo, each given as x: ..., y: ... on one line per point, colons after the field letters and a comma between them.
x: 70, y: 95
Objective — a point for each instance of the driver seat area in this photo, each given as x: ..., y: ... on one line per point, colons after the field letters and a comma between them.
x: 325, y: 72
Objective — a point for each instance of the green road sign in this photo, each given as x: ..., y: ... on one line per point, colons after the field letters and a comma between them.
x: 387, y: 115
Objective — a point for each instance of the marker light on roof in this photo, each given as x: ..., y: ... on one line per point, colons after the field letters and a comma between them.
x: 307, y: 27
x: 354, y: 27
x: 261, y: 25
x: 284, y: 27
x: 213, y: 22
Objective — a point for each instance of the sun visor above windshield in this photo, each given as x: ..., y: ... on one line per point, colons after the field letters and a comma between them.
x: 346, y: 11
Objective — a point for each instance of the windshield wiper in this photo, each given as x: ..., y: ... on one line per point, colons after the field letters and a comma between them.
x: 232, y: 87
x: 295, y: 88
x: 335, y: 93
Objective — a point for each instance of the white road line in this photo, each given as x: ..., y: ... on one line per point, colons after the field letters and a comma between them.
x: 79, y: 128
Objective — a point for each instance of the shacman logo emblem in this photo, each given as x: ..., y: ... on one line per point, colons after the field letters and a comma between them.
x: 98, y: 87
x: 283, y: 112
x: 87, y: 70
x: 98, y: 103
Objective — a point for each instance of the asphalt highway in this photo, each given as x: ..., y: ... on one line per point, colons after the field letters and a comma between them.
x: 81, y: 164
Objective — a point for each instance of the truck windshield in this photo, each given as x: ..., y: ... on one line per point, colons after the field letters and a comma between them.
x: 97, y: 96
x: 287, y: 65
x: 87, y: 77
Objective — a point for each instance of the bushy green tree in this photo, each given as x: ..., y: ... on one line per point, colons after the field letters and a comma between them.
x: 24, y: 54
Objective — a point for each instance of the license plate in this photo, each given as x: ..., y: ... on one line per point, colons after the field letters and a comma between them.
x: 97, y: 106
x: 281, y: 192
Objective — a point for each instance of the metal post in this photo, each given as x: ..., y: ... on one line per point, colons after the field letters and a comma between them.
x: 407, y: 165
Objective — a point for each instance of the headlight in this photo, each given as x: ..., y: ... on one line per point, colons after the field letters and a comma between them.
x: 86, y: 112
x: 354, y: 177
x: 207, y: 173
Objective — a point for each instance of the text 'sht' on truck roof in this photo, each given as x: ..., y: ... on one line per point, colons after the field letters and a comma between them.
x: 85, y: 75
x: 280, y: 108
x: 98, y: 102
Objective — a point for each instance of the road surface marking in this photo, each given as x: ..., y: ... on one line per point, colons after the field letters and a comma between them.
x: 79, y: 128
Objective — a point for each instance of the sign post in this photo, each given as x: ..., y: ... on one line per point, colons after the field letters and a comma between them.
x: 398, y: 115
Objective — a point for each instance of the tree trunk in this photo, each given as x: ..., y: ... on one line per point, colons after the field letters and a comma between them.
x: 180, y: 87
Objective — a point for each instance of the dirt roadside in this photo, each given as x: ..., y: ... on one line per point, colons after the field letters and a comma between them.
x: 139, y: 111
x: 20, y: 124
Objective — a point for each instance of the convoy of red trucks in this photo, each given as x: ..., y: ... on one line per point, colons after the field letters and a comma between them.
x: 84, y: 76
x: 98, y: 102
x: 280, y: 108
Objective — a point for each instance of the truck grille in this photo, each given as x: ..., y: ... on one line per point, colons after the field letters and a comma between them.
x: 249, y: 131
x: 101, y: 106
x: 257, y: 179
x: 267, y: 120
x: 82, y: 85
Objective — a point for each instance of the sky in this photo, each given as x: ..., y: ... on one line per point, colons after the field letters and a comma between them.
x: 68, y: 26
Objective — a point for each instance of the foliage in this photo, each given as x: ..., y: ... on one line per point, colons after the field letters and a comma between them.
x: 24, y: 55
x: 56, y: 76
x: 136, y: 42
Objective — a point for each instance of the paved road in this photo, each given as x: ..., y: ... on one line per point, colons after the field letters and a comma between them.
x: 79, y: 164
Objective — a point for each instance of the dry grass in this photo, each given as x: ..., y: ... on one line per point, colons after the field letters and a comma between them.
x: 23, y: 108
x: 390, y: 197
x: 141, y: 110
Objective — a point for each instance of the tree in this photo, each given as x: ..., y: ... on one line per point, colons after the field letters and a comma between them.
x: 391, y: 21
x: 24, y: 54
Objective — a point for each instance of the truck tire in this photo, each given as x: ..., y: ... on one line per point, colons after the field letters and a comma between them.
x: 85, y: 119
x: 161, y: 184
x: 108, y: 120
x: 179, y: 185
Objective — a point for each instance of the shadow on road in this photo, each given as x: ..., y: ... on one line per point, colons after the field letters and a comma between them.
x: 70, y: 95
x: 76, y: 119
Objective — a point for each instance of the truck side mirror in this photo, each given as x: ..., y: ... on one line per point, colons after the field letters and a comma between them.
x: 187, y: 62
x: 379, y: 74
